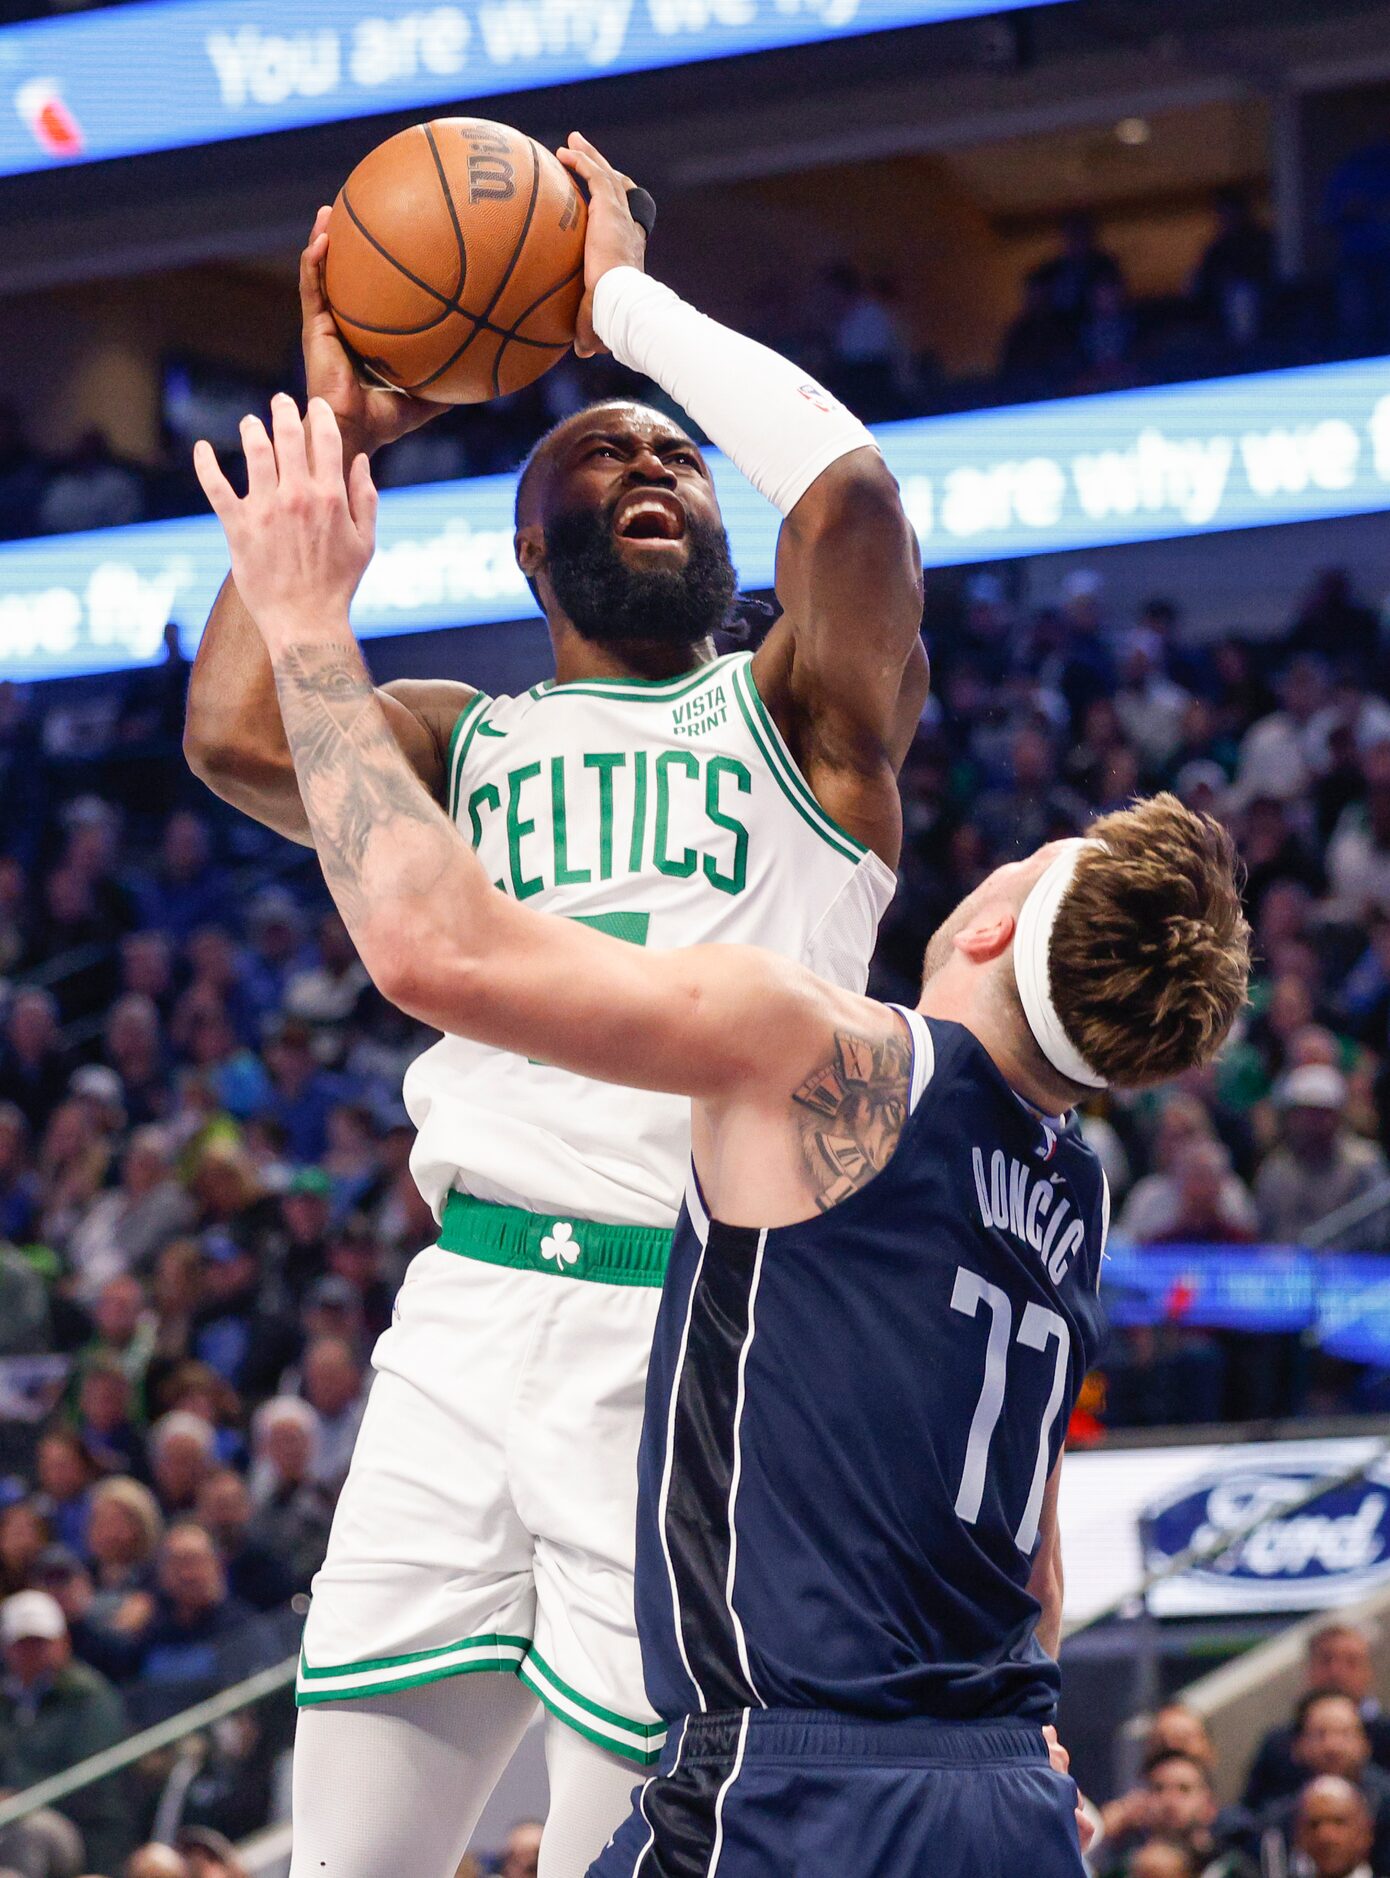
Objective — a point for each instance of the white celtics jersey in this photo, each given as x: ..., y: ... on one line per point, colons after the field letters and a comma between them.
x: 668, y: 813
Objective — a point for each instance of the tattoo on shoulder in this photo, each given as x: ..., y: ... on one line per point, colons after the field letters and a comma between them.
x: 850, y: 1113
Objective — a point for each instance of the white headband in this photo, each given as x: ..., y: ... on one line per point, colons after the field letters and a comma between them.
x: 1033, y: 967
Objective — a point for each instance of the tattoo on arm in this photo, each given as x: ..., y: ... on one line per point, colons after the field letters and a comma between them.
x: 354, y: 781
x: 851, y: 1112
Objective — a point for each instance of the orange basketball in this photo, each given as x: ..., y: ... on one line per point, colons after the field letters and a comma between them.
x: 456, y: 260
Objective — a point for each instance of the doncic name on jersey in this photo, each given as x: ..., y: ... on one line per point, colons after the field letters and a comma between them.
x: 1031, y: 1205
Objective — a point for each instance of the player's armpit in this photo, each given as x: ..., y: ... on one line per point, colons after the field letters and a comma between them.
x: 234, y: 737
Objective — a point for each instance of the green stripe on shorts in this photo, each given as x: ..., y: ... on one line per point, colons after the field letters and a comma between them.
x: 640, y: 1742
x: 546, y: 1242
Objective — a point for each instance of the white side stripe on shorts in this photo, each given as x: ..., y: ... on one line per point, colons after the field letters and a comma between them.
x: 740, y: 1641
x: 719, y: 1803
x: 642, y: 1801
x: 667, y: 1464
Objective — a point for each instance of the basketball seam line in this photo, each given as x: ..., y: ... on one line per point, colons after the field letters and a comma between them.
x: 498, y: 291
x: 448, y: 195
x: 516, y: 255
x: 448, y: 304
x: 515, y: 338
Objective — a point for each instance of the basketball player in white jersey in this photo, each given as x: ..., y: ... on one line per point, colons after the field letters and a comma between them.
x: 482, y: 1553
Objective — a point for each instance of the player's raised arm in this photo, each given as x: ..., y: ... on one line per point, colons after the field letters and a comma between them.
x: 435, y: 935
x: 844, y: 672
x: 233, y: 738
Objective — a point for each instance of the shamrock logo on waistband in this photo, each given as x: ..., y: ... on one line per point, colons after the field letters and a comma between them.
x: 561, y: 1245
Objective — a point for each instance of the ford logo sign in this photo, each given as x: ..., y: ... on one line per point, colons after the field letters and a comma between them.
x: 1297, y: 1557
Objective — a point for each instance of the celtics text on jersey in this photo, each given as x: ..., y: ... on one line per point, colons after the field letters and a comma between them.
x: 667, y: 813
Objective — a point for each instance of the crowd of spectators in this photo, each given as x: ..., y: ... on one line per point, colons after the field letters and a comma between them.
x: 1315, y: 1798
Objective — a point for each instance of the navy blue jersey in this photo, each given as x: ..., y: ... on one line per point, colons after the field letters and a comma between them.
x: 850, y: 1422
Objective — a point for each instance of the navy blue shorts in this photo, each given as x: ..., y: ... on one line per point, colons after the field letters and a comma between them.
x: 791, y: 1793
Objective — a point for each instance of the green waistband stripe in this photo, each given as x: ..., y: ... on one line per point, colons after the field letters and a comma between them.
x: 547, y: 1242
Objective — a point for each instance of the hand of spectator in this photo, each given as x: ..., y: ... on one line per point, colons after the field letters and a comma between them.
x: 1061, y: 1763
x: 134, y: 1613
x: 368, y: 415
x: 1130, y: 1813
x: 302, y: 537
x: 74, y: 1594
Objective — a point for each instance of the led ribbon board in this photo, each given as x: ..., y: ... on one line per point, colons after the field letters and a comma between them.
x: 1248, y: 452
x: 166, y: 74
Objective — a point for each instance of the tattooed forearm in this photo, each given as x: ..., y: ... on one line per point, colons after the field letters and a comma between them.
x: 355, y: 783
x: 850, y: 1113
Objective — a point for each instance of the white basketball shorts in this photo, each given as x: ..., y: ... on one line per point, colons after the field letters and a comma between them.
x: 488, y: 1521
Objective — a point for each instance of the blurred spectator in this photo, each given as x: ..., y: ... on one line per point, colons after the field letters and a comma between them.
x: 255, y: 1574
x: 1234, y: 282
x: 156, y: 1861
x: 1339, y: 1658
x: 106, y: 1417
x: 128, y: 1225
x: 1211, y: 1204
x: 522, y: 1851
x: 183, y: 1452
x: 292, y: 1509
x: 55, y: 1712
x: 333, y: 1388
x: 197, y: 1637
x: 1176, y: 1804
x: 123, y: 1534
x: 1358, y: 855
x: 34, y: 1067
x: 209, y: 1854
x: 1320, y: 1166
x: 1154, y: 1209
x: 66, y: 1471
x: 1334, y: 1830
x: 19, y: 1184
x: 302, y: 1092
x: 1068, y: 283
x: 1330, y: 1737
x: 25, y: 1530
x: 42, y: 1845
x: 1334, y: 625
x: 186, y: 888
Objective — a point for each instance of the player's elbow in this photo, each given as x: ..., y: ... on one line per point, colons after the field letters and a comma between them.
x: 425, y: 976
x: 212, y: 746
x: 852, y: 517
x: 859, y: 494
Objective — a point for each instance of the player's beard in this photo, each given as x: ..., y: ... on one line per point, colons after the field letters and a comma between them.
x: 609, y: 602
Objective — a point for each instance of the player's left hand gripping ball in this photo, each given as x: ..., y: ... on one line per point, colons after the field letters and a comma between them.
x: 615, y: 235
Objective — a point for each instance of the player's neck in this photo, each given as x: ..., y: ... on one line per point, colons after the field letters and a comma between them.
x: 979, y: 1015
x: 579, y: 658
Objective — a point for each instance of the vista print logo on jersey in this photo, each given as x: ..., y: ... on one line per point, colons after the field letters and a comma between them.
x: 1334, y: 1548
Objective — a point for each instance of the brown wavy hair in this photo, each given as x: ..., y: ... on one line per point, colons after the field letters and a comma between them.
x: 1151, y: 952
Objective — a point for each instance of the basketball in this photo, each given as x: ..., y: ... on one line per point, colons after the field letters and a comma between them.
x: 455, y: 260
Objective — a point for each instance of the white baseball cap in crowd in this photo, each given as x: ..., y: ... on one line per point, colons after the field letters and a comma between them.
x: 1314, y: 1086
x: 31, y: 1614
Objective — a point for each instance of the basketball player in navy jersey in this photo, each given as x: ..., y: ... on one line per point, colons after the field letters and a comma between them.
x: 881, y: 1300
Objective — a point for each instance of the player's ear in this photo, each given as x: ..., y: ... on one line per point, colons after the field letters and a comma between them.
x: 988, y: 935
x: 529, y: 546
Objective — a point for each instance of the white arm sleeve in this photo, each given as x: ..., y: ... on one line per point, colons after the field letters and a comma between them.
x: 778, y: 426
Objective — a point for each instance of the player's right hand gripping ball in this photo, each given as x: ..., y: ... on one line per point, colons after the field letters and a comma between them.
x: 456, y: 260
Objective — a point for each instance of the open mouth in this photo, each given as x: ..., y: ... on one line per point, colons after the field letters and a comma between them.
x: 650, y: 516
